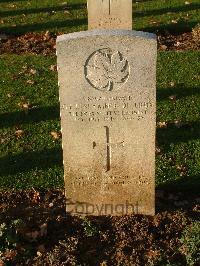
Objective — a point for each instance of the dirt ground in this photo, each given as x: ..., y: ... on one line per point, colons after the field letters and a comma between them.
x: 37, y: 43
x: 49, y: 236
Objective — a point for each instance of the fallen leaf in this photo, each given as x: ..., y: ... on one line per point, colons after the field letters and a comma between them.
x: 53, y: 68
x: 177, y: 44
x: 19, y: 133
x: 163, y: 47
x: 39, y: 254
x: 158, y: 150
x: 59, y: 218
x: 51, y: 204
x: 12, y: 6
x: 56, y: 135
x: 162, y: 124
x: 36, y: 197
x: 33, y: 71
x: 182, y: 170
x: 25, y: 106
x: 152, y: 254
x: 2, y: 140
x: 9, y: 95
x: 196, y: 208
x: 172, y: 83
x: 10, y: 254
x: 31, y: 82
x: 25, y: 67
x: 172, y: 97
x: 47, y: 36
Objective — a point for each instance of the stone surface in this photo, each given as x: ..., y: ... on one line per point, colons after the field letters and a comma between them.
x: 110, y: 14
x: 107, y: 81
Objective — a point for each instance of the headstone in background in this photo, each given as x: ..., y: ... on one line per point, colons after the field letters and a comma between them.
x: 107, y: 84
x: 110, y: 14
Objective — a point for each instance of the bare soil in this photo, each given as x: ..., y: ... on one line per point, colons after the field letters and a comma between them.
x: 40, y: 43
x: 49, y: 236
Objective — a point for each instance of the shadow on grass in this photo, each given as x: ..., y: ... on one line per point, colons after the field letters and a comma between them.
x: 190, y: 184
x: 9, y: 1
x: 172, y: 134
x: 41, y: 10
x: 45, y: 159
x: 179, y: 91
x: 178, y: 28
x: 51, y: 25
x: 34, y: 116
x: 54, y: 26
x: 162, y: 11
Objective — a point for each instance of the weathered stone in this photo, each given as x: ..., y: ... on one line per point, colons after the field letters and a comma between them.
x: 107, y: 82
x: 110, y: 14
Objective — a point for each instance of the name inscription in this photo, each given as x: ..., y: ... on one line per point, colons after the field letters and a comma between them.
x: 99, y: 109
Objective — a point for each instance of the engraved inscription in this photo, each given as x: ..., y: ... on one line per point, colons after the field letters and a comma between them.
x: 111, y: 180
x: 107, y: 70
x: 99, y: 109
x: 109, y: 145
x: 105, y: 22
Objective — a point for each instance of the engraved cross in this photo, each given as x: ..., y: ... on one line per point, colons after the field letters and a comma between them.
x: 109, y: 6
x: 109, y: 146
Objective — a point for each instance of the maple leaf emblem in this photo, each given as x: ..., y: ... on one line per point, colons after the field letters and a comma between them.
x: 106, y: 70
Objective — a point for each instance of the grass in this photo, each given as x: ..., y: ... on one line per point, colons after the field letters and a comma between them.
x: 19, y: 17
x: 34, y: 159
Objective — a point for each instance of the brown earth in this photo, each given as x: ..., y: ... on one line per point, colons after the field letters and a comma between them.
x: 49, y: 236
x: 38, y: 43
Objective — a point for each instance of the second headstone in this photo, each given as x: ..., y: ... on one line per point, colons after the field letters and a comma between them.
x: 110, y: 14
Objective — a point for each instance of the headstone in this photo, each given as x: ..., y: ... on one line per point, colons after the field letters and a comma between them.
x: 110, y: 14
x: 107, y: 81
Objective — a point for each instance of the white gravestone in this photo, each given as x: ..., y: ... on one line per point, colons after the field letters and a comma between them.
x: 107, y: 81
x: 109, y: 14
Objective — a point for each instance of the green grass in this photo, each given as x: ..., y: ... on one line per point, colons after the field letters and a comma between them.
x: 18, y: 17
x: 35, y: 159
